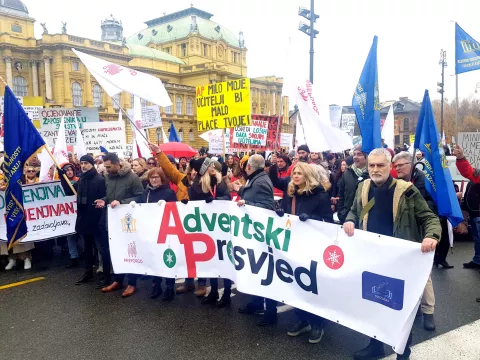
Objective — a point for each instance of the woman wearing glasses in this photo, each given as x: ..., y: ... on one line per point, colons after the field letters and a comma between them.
x: 30, y: 176
x: 151, y: 163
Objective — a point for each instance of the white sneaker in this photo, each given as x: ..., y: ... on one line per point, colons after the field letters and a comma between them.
x: 28, y: 264
x: 11, y: 264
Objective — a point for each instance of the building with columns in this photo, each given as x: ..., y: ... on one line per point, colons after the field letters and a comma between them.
x: 184, y: 49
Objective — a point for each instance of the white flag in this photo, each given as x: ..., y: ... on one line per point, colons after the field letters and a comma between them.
x: 139, y: 138
x: 444, y: 140
x: 319, y: 133
x: 80, y: 149
x: 46, y: 163
x: 60, y: 151
x: 115, y: 78
x: 165, y: 138
x: 299, y: 135
x: 388, y: 131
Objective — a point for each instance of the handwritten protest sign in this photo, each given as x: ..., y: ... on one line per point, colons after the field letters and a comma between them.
x: 150, y: 116
x: 254, y: 134
x: 223, y: 105
x: 270, y: 138
x: 110, y: 135
x: 286, y: 140
x: 50, y: 122
x: 470, y: 143
x: 348, y: 123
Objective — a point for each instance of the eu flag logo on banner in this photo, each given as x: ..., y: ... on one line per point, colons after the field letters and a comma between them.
x: 21, y: 141
x: 438, y: 180
x: 384, y: 290
x: 366, y: 102
x: 467, y: 52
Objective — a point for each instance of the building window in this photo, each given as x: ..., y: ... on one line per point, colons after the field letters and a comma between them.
x: 16, y: 28
x: 254, y: 108
x: 168, y: 50
x: 406, y: 124
x: 191, y: 136
x: 75, y: 66
x: 168, y: 109
x: 180, y: 135
x: 179, y: 105
x: 263, y: 108
x: 97, y: 96
x: 397, y: 140
x: 205, y: 49
x: 117, y: 101
x: 235, y: 57
x: 76, y: 94
x: 189, y: 106
x: 183, y: 50
x: 20, y: 86
x: 406, y: 139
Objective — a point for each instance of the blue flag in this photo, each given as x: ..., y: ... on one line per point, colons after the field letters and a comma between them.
x: 173, y: 136
x: 21, y: 141
x: 467, y: 52
x: 438, y: 180
x: 366, y: 102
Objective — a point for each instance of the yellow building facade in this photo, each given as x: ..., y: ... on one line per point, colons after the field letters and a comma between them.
x: 184, y: 49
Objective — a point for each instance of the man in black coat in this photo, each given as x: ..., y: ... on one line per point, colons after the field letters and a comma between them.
x: 91, y: 187
x: 258, y: 192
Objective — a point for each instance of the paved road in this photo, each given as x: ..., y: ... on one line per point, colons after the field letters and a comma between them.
x: 54, y: 319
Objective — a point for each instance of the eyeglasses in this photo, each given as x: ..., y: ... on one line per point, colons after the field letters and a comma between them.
x: 151, y: 163
x: 31, y: 171
x: 398, y: 166
x: 155, y: 178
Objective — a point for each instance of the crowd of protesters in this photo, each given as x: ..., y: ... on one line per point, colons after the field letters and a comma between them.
x: 311, y: 185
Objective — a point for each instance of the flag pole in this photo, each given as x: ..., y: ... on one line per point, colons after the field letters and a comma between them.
x: 456, y: 104
x: 132, y: 123
x: 276, y: 146
x: 49, y: 153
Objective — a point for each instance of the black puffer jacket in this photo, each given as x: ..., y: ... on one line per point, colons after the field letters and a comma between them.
x: 347, y: 190
x: 163, y: 192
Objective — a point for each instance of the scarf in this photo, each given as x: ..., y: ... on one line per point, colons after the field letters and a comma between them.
x: 255, y: 173
x: 82, y: 195
x: 358, y: 171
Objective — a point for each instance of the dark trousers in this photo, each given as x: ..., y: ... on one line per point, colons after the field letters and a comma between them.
x: 201, y: 281
x: 406, y: 353
x: 443, y: 246
x: 270, y: 305
x: 131, y: 278
x: 157, y: 280
x: 227, y: 284
x: 311, y: 319
x: 100, y: 239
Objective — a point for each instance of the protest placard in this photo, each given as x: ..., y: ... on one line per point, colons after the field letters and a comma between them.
x: 470, y: 143
x: 150, y: 116
x: 49, y: 212
x: 109, y: 134
x: 270, y: 141
x: 286, y: 140
x: 348, y: 123
x: 223, y: 105
x: 253, y: 134
x: 50, y: 122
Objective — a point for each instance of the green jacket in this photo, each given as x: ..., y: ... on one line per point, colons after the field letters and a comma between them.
x: 413, y: 219
x: 125, y: 186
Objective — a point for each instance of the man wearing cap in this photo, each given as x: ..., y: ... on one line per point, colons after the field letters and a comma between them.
x: 353, y: 176
x: 90, y: 187
x: 303, y: 155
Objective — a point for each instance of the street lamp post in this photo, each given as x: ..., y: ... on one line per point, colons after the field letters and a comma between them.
x: 309, y: 29
x: 159, y: 135
x: 441, y: 85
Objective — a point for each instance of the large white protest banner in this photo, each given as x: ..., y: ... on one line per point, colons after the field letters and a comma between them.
x: 150, y: 116
x: 470, y: 143
x: 49, y: 212
x: 109, y: 134
x: 50, y: 122
x: 369, y: 283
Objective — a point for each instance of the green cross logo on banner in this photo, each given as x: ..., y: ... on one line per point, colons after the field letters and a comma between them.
x: 230, y: 252
x: 169, y: 258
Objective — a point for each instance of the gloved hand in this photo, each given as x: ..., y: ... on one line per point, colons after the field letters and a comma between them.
x: 280, y: 212
x: 185, y: 201
x: 209, y: 200
x: 303, y: 217
x: 60, y: 171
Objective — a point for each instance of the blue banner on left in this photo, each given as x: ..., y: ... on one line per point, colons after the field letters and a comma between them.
x: 21, y: 141
x: 467, y: 51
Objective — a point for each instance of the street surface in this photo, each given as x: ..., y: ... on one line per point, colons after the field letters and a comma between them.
x: 53, y: 319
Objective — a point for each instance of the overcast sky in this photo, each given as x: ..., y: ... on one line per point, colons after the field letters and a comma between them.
x: 411, y: 34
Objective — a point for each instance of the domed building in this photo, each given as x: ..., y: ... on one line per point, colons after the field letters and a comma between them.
x: 184, y: 49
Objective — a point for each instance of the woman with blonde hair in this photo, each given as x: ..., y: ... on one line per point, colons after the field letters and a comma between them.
x: 140, y: 168
x: 305, y: 196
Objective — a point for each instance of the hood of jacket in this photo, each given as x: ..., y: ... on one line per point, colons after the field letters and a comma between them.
x: 125, y: 168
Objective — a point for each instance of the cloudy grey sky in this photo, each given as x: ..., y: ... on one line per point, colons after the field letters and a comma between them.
x: 411, y: 34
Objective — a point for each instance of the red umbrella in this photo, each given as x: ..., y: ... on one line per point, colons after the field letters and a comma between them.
x: 178, y: 149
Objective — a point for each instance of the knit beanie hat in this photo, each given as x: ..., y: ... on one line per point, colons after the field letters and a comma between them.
x: 201, y: 165
x: 87, y: 158
x: 304, y: 148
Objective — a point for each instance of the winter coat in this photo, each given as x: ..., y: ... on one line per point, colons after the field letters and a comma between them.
x: 88, y: 216
x: 315, y: 204
x: 412, y: 218
x: 467, y: 171
x: 346, y: 192
x: 258, y: 191
x: 144, y: 178
x: 163, y: 192
x: 124, y: 186
x: 196, y: 193
x: 175, y: 176
x: 419, y: 182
